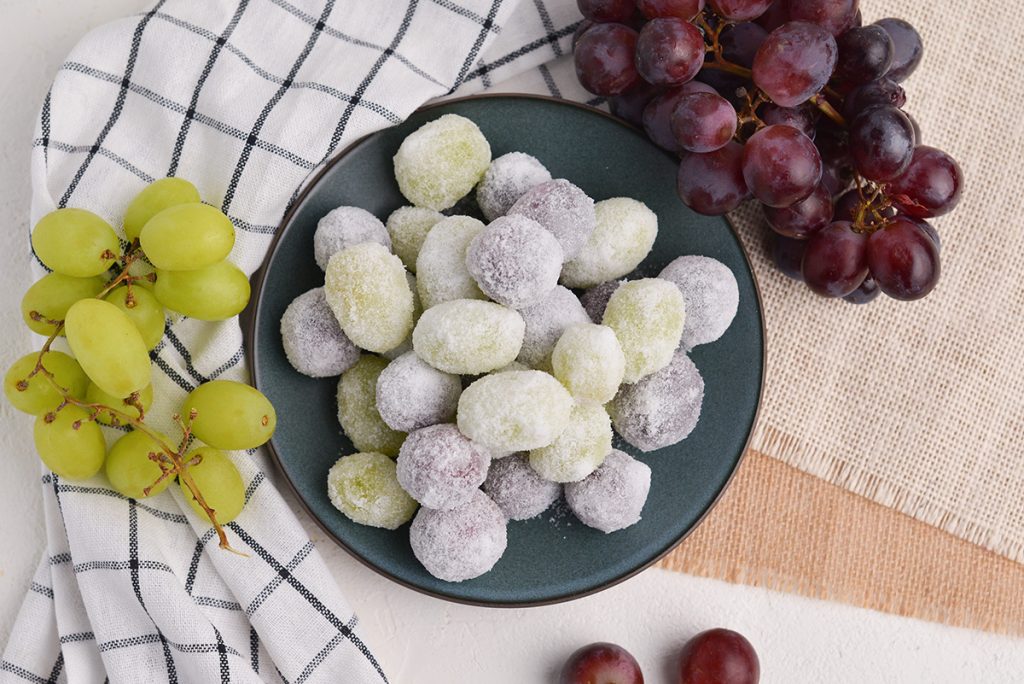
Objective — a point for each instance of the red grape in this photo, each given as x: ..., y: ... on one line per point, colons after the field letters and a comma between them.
x: 903, y: 259
x: 835, y: 16
x: 929, y: 230
x: 604, y: 11
x: 781, y: 166
x: 917, y: 128
x: 681, y: 9
x: 865, y: 54
x: 834, y: 177
x: 741, y: 41
x: 581, y: 28
x: 804, y: 218
x: 703, y: 122
x: 865, y: 293
x: 878, y: 93
x: 930, y: 186
x: 794, y: 62
x: 881, y: 143
x: 712, y: 183
x: 740, y: 10
x: 907, y: 47
x: 835, y: 260
x: 630, y: 104
x: 669, y: 51
x: 800, y: 118
x: 604, y: 59
x: 787, y: 254
x: 601, y: 663
x: 718, y: 656
x: 774, y: 17
x: 657, y: 116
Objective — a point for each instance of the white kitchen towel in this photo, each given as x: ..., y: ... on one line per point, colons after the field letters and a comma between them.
x: 247, y: 100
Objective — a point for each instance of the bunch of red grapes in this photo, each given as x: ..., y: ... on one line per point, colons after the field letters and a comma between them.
x: 796, y: 104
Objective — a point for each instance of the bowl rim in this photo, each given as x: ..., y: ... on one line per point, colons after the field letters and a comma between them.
x: 251, y: 316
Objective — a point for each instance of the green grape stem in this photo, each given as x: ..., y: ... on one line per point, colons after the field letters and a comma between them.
x: 873, y: 202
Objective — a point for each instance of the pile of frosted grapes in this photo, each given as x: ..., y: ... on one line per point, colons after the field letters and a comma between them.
x: 793, y: 103
x: 475, y: 385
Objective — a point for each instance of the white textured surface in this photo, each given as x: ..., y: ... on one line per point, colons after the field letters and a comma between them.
x: 417, y: 638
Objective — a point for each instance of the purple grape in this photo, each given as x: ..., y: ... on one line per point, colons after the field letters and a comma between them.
x: 879, y: 93
x: 788, y: 255
x: 907, y: 47
x: 835, y: 260
x: 604, y: 11
x: 865, y: 293
x: 740, y: 10
x: 630, y: 104
x: 930, y: 186
x: 929, y: 230
x: 657, y: 116
x: 794, y: 62
x: 740, y: 42
x: 904, y: 260
x: 604, y: 59
x: 703, y: 122
x: 917, y: 128
x: 774, y: 17
x: 881, y: 143
x: 865, y: 54
x: 801, y: 118
x: 581, y: 28
x: 781, y: 166
x: 835, y: 16
x: 681, y: 9
x: 669, y: 51
x: 712, y: 183
x: 846, y: 205
x: 803, y: 219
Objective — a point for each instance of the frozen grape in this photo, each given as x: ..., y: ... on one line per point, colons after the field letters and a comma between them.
x: 669, y: 51
x: 143, y: 309
x: 468, y: 337
x: 781, y: 165
x: 579, y: 449
x: 52, y: 295
x: 313, y: 341
x: 514, y: 411
x: 365, y: 488
x: 440, y: 467
x: 604, y: 59
x: 518, y: 490
x: 563, y: 209
x: 186, y: 237
x: 545, y: 322
x: 153, y: 199
x: 214, y: 293
x: 506, y: 180
x: 835, y: 260
x: 711, y: 295
x: 108, y: 346
x: 344, y: 227
x: 36, y: 395
x: 367, y: 290
x: 648, y: 317
x: 411, y: 394
x: 661, y: 409
x: 515, y: 261
x: 75, y: 242
x: 613, y: 496
x: 624, y: 235
x: 794, y: 62
x: 595, y: 300
x: 462, y: 543
x: 588, y: 360
x: 94, y: 395
x: 357, y: 408
x: 129, y: 468
x: 230, y: 415
x: 441, y: 272
x: 408, y: 228
x: 441, y: 161
x: 70, y: 445
x: 219, y: 482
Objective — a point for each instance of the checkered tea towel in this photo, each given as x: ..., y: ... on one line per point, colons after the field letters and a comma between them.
x: 247, y: 100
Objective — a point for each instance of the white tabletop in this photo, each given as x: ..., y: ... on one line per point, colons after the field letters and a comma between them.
x: 421, y: 639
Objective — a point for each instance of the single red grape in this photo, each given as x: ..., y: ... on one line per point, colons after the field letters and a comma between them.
x: 878, y: 93
x: 881, y: 143
x: 865, y: 293
x: 669, y: 51
x: 794, y: 62
x: 930, y: 186
x: 835, y: 177
x: 703, y: 122
x: 904, y: 260
x: 865, y: 54
x: 835, y: 16
x: 803, y: 219
x: 681, y: 9
x: 929, y: 230
x: 712, y: 183
x: 740, y: 42
x: 630, y: 104
x: 719, y: 656
x: 604, y: 59
x: 787, y: 254
x: 774, y: 17
x: 581, y: 28
x: 781, y: 165
x: 917, y: 128
x: 605, y: 11
x: 601, y: 663
x: 740, y: 10
x: 907, y: 47
x: 657, y: 116
x: 801, y: 118
x: 835, y: 260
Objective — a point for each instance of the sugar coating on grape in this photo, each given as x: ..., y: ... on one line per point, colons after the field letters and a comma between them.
x: 369, y: 294
x: 661, y: 409
x: 408, y: 228
x: 441, y: 273
x: 514, y: 411
x: 506, y: 180
x: 468, y: 337
x: 613, y: 496
x: 563, y: 209
x: 515, y: 261
x: 711, y: 294
x: 313, y: 340
x: 518, y: 490
x: 440, y: 467
x: 344, y: 227
x: 595, y: 300
x: 412, y: 394
x: 462, y: 543
x: 625, y: 232
x: 441, y: 161
x: 365, y: 488
x: 588, y: 360
x: 579, y: 450
x: 357, y: 408
x: 647, y: 316
x: 545, y: 322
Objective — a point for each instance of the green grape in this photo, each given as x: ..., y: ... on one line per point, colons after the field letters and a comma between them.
x: 94, y: 395
x: 52, y: 295
x: 219, y: 482
x: 129, y: 468
x: 145, y: 312
x: 73, y: 453
x: 213, y: 293
x: 154, y: 198
x: 40, y: 396
x: 187, y: 237
x: 108, y: 346
x: 74, y: 242
x: 230, y: 415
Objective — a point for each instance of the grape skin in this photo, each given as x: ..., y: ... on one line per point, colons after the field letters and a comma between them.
x: 154, y: 198
x: 129, y: 468
x: 75, y: 242
x: 630, y: 105
x: 865, y: 54
x: 904, y: 260
x: 669, y: 51
x: 787, y: 254
x: 703, y: 122
x: 52, y: 295
x: 146, y: 313
x: 606, y: 10
x: 930, y: 186
x: 40, y: 396
x: 907, y: 47
x: 881, y: 143
x: 218, y: 480
x: 835, y: 16
x: 214, y: 293
x: 794, y: 62
x: 803, y: 219
x: 108, y: 346
x: 877, y: 93
x: 865, y: 293
x: 657, y: 116
x: 230, y: 415
x: 712, y: 183
x: 604, y: 59
x: 72, y: 453
x: 681, y: 9
x: 740, y: 10
x: 94, y: 395
x: 835, y: 260
x: 187, y: 237
x: 781, y: 166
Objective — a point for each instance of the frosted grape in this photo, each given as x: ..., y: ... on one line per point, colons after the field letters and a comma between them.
x: 38, y: 396
x: 344, y: 227
x: 108, y: 346
x: 219, y: 482
x: 468, y: 337
x: 563, y: 209
x: 143, y: 310
x: 506, y: 180
x: 129, y: 468
x: 230, y: 415
x: 515, y: 261
x: 579, y: 449
x: 595, y: 300
x: 313, y: 341
x: 75, y: 242
x: 369, y: 295
x: 357, y: 408
x: 624, y: 235
x: 612, y: 497
x: 545, y: 322
x: 588, y: 360
x: 462, y: 543
x: 440, y: 467
x: 52, y: 295
x: 154, y: 198
x: 518, y: 490
x: 94, y: 395
x: 711, y: 295
x: 186, y: 237
x: 648, y: 317
x: 408, y: 228
x: 514, y: 411
x: 441, y: 161
x: 70, y: 445
x: 214, y: 293
x: 365, y: 488
x: 661, y: 409
x: 441, y: 273
x: 411, y: 394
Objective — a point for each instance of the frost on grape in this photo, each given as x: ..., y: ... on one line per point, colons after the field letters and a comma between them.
x: 440, y: 467
x: 588, y: 360
x: 411, y: 394
x: 506, y: 180
x: 613, y: 497
x: 357, y: 408
x: 365, y: 488
x: 517, y: 488
x: 468, y: 337
x: 408, y: 228
x: 441, y: 273
x: 663, y: 408
x: 563, y: 209
x: 462, y: 543
x: 579, y: 449
x: 625, y: 232
x: 441, y: 162
x: 514, y: 411
x: 648, y: 317
x: 711, y: 295
x: 344, y: 227
x: 545, y: 322
x: 313, y: 341
x: 515, y: 261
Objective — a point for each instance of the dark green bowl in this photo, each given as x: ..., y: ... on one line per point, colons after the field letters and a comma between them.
x: 554, y: 557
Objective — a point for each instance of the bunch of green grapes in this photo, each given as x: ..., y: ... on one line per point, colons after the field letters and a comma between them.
x: 107, y: 297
